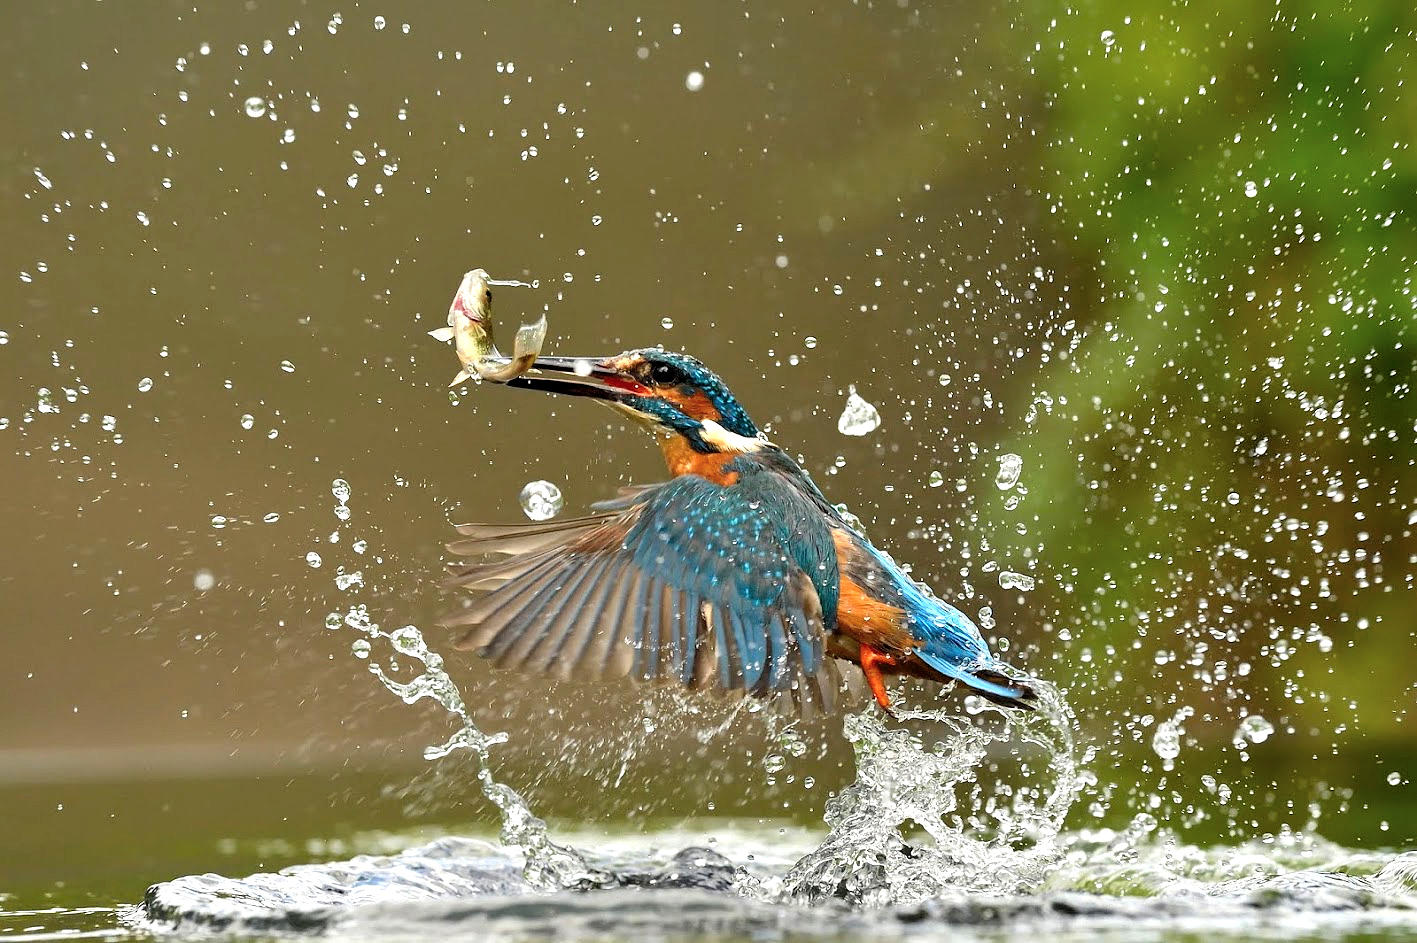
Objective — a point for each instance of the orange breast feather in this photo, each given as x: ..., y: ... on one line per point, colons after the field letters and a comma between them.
x: 681, y: 458
x: 861, y: 615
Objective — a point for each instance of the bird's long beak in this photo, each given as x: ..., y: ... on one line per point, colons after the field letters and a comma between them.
x: 581, y: 376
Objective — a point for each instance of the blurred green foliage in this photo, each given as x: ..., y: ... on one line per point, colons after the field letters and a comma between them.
x: 1241, y: 179
x: 1226, y: 463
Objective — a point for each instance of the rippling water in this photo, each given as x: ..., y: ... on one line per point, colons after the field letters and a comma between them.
x: 743, y: 885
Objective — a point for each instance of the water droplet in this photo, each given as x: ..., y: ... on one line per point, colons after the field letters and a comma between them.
x: 203, y: 580
x: 666, y: 323
x: 936, y: 479
x: 313, y: 559
x: 1394, y: 778
x: 694, y: 81
x: 1167, y: 740
x: 541, y: 500
x: 379, y: 22
x: 408, y: 641
x: 255, y: 106
x: 272, y: 517
x: 1010, y: 467
x: 287, y: 366
x: 1253, y: 729
x: 774, y: 762
x: 809, y: 342
x: 248, y: 421
x: 781, y: 261
x: 346, y: 581
x: 359, y: 546
x: 1011, y: 580
x: 145, y: 384
x: 1252, y: 189
x: 340, y: 489
x: 218, y: 521
x: 793, y: 744
x: 360, y: 647
x: 859, y: 417
x: 1108, y: 37
x: 333, y: 620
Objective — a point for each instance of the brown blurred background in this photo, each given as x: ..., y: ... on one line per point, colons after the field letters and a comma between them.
x: 1161, y: 255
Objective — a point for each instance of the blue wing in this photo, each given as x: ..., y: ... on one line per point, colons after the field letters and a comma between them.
x: 710, y: 585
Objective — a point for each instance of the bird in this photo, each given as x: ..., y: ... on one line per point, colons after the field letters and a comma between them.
x: 735, y: 574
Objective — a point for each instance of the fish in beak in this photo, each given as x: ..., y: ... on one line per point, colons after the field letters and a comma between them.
x: 470, y: 330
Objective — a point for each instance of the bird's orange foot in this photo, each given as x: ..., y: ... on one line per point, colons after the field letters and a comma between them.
x: 871, y: 661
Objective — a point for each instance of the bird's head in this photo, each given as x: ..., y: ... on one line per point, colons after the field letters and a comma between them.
x: 671, y: 394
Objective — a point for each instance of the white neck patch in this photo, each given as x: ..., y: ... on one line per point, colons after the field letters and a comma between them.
x: 725, y: 441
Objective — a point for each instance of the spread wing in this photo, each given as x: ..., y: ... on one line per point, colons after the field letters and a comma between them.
x: 692, y: 581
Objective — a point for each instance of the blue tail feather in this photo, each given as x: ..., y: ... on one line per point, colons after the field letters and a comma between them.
x: 984, y: 677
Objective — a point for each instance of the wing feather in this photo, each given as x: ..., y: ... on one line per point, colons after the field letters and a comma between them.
x: 779, y: 655
x: 690, y: 617
x: 519, y: 540
x: 646, y: 630
x: 560, y: 616
x: 582, y: 627
x: 689, y: 580
x: 706, y: 661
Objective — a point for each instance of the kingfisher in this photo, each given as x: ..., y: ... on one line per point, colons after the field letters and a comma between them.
x: 735, y: 574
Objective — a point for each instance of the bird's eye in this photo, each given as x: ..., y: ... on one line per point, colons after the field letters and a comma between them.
x: 487, y: 297
x: 663, y: 373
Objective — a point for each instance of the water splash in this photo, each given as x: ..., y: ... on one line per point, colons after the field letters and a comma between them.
x: 548, y: 866
x: 1010, y: 468
x: 1001, y: 843
x: 1022, y: 582
x: 858, y: 417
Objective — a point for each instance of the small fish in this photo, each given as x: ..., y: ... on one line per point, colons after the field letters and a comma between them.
x: 470, y: 330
